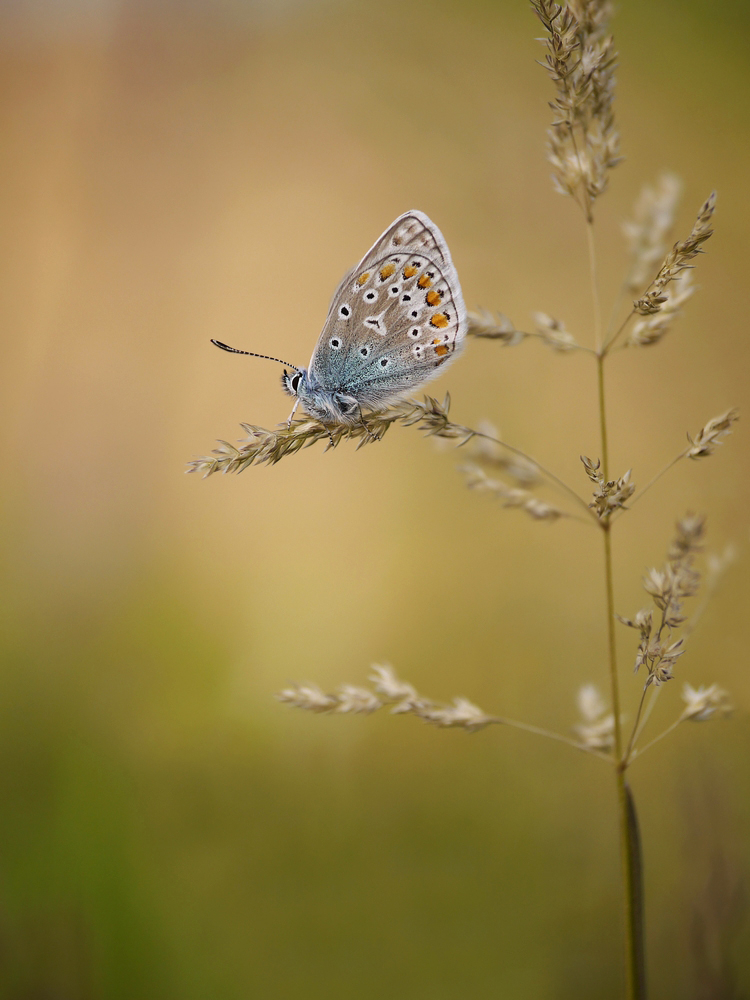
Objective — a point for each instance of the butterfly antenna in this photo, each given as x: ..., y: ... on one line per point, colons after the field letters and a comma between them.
x: 267, y: 357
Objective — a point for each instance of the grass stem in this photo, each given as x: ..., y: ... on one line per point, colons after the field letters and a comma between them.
x: 636, y: 730
x: 610, y: 343
x: 657, y: 477
x: 633, y: 868
x: 538, y: 731
x: 655, y: 689
x: 656, y: 739
x: 594, y: 285
x: 629, y: 836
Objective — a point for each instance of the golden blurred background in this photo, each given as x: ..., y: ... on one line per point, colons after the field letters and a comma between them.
x: 175, y: 171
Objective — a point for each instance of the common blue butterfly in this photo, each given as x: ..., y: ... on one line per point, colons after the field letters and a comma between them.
x: 395, y: 321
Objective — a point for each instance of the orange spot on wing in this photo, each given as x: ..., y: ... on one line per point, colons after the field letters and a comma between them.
x: 440, y: 320
x: 433, y: 299
x: 441, y: 350
x: 424, y: 282
x: 410, y: 271
x: 363, y: 278
x: 386, y: 271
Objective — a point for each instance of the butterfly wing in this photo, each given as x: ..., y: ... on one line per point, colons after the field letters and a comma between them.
x: 395, y: 320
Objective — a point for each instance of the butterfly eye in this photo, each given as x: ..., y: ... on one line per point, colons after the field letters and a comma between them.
x: 345, y: 312
x: 295, y: 381
x: 335, y: 343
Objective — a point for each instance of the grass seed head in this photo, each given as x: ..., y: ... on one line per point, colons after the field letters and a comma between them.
x: 677, y: 260
x: 552, y: 331
x: 597, y: 730
x: 709, y: 437
x: 608, y: 496
x: 483, y: 323
x: 704, y: 703
x: 583, y: 141
x: 510, y: 496
x: 648, y: 229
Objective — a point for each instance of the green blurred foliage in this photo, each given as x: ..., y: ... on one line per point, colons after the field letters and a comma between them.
x: 181, y: 171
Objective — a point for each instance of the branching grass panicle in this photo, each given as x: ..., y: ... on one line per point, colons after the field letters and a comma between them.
x: 583, y: 148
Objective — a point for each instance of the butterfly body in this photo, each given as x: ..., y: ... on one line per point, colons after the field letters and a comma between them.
x: 329, y: 406
x: 395, y: 321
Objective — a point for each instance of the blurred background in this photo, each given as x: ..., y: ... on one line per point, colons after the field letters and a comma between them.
x: 175, y: 171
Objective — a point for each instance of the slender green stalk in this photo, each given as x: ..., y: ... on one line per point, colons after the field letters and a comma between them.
x: 602, y: 415
x: 629, y: 840
x: 655, y: 689
x: 629, y: 836
x: 594, y: 284
x: 667, y: 731
x: 614, y: 312
x: 609, y: 344
x: 538, y: 731
x: 633, y: 865
x: 636, y: 730
x: 657, y: 477
x: 612, y: 638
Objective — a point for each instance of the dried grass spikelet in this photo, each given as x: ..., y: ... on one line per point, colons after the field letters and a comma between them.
x: 648, y: 229
x: 509, y: 496
x: 265, y: 446
x: 496, y: 326
x: 348, y: 699
x: 553, y: 332
x: 583, y: 141
x: 669, y: 587
x: 597, y: 730
x: 650, y: 329
x: 704, y: 703
x: 485, y: 449
x: 309, y: 697
x: 391, y: 687
x: 462, y: 714
x: 677, y: 260
x: 357, y: 699
x: 608, y: 496
x: 717, y: 563
x: 389, y: 690
x: 709, y: 437
x: 431, y: 416
x: 483, y: 323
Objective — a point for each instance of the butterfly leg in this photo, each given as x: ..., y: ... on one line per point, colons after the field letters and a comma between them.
x: 291, y: 415
x: 368, y: 432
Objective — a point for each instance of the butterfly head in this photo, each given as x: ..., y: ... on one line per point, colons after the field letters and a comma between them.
x: 330, y: 406
x: 291, y: 381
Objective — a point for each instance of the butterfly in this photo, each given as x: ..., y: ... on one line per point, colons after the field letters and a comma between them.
x: 395, y: 321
